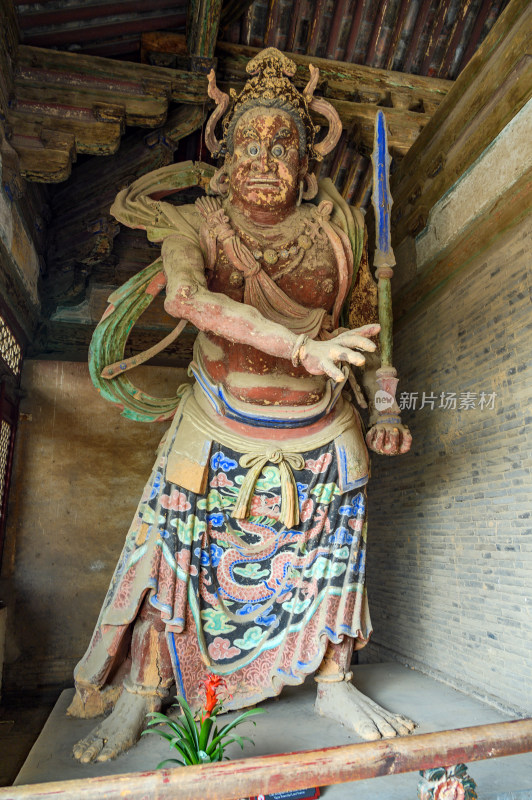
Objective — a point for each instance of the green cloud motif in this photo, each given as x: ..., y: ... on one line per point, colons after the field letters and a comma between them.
x: 324, y: 492
x: 251, y: 639
x: 215, y: 621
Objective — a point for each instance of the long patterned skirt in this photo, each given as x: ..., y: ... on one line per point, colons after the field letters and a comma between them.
x: 251, y: 599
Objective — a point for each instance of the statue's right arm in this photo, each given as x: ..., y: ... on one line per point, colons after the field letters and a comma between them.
x: 188, y: 297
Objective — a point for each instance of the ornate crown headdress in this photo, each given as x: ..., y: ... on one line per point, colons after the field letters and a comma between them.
x: 270, y: 72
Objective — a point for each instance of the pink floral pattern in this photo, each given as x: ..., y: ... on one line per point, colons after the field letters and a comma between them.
x: 306, y: 510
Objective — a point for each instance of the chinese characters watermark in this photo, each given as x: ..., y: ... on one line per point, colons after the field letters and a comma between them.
x: 449, y: 401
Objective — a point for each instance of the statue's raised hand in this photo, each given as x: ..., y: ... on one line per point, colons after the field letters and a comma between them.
x: 322, y: 357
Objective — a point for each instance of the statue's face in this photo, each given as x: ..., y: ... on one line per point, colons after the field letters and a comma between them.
x: 265, y: 169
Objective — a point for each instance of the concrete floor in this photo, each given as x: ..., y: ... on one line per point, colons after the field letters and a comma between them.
x: 21, y: 722
x: 291, y: 725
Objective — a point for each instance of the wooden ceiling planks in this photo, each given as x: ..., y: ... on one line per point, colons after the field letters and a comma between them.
x: 396, y: 34
x: 82, y: 25
x: 496, y: 83
x: 431, y: 37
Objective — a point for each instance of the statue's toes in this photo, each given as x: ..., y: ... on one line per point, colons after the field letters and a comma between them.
x: 399, y: 728
x: 88, y: 749
x: 392, y: 724
x: 365, y: 727
x: 407, y: 724
x: 111, y: 750
x: 386, y: 730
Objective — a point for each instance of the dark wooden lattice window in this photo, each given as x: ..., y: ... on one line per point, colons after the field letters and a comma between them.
x: 11, y: 353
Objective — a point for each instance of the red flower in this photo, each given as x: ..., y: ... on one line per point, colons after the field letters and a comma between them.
x: 212, y: 683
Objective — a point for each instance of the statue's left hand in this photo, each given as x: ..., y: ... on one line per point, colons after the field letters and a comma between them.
x: 389, y: 439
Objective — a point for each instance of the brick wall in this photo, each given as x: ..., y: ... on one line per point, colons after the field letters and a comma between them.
x: 78, y: 475
x: 450, y: 546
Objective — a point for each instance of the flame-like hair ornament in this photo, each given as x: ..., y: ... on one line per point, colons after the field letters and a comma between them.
x: 321, y: 106
x: 222, y: 101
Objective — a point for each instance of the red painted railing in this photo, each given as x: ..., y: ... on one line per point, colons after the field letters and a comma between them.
x: 272, y: 774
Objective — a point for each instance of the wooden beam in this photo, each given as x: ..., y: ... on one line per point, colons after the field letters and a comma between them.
x: 493, y: 87
x: 9, y: 36
x: 404, y: 126
x: 67, y: 103
x: 203, y: 20
x: 45, y: 154
x: 341, y: 80
x: 289, y: 772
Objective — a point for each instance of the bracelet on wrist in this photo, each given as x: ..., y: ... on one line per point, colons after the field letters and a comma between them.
x: 389, y: 419
x: 300, y: 342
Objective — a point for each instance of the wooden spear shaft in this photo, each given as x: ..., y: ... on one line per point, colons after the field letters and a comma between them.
x: 272, y: 774
x: 384, y: 260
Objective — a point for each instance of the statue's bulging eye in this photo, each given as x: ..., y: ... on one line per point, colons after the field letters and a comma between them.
x: 253, y: 149
x: 278, y: 151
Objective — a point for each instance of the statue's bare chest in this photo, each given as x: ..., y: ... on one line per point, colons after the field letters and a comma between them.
x: 304, y: 267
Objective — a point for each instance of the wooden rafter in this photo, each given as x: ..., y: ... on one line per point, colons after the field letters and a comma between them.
x: 342, y: 80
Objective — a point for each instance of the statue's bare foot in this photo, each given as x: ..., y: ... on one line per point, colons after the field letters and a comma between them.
x: 342, y: 702
x: 117, y: 732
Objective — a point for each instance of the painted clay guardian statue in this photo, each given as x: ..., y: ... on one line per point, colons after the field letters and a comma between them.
x: 246, y: 556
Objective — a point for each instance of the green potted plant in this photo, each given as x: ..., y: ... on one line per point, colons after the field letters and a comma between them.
x: 198, y: 740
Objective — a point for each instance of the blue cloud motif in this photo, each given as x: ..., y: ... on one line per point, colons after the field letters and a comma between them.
x: 249, y: 608
x: 268, y: 619
x: 156, y: 485
x: 212, y: 556
x: 341, y: 536
x: 220, y: 461
x: 356, y: 508
x: 360, y: 563
x: 302, y: 491
x: 216, y: 554
x: 287, y: 589
x: 216, y: 520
